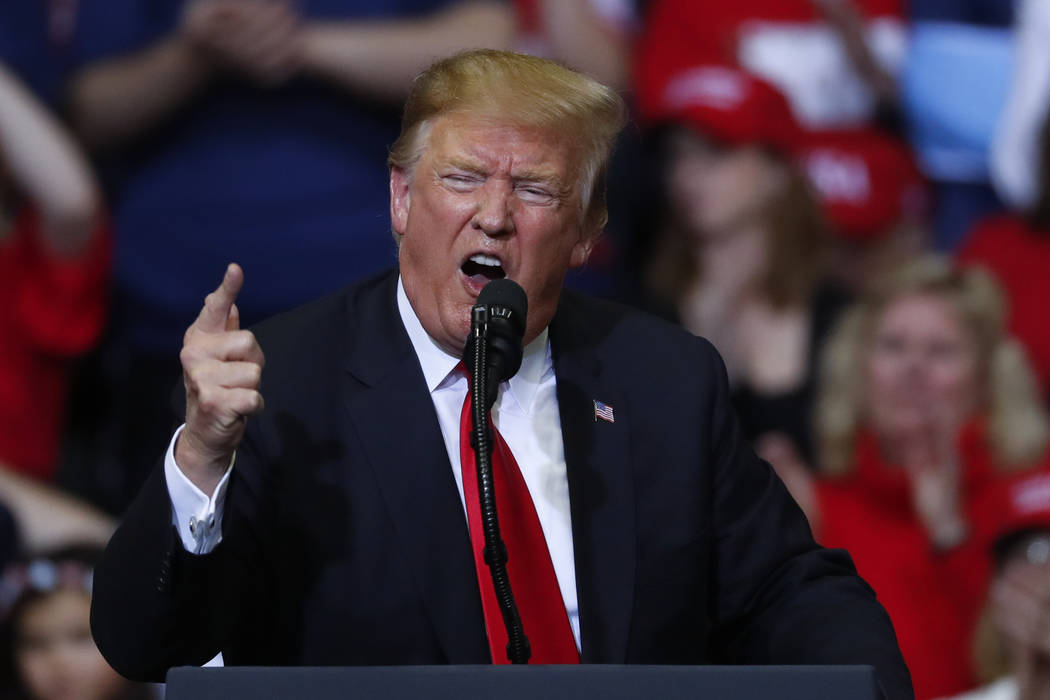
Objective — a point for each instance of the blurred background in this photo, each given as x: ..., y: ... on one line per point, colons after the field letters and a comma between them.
x: 849, y: 198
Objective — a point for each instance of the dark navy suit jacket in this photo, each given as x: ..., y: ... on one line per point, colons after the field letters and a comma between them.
x: 345, y: 540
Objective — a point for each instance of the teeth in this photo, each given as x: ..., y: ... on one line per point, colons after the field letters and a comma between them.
x: 485, y: 260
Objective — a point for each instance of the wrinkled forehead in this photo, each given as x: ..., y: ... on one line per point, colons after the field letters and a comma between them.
x: 495, y: 141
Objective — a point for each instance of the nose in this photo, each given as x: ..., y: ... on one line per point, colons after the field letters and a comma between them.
x: 493, y: 214
x: 916, y: 370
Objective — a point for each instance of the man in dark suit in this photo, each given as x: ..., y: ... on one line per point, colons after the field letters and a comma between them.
x: 339, y: 535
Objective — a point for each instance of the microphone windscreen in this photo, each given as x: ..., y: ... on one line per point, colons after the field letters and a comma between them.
x: 505, y: 298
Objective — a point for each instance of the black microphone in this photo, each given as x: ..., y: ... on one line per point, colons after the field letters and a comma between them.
x: 507, y: 308
x: 493, y: 354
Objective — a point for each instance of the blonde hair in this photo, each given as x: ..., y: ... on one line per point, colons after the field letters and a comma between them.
x: 1017, y: 421
x: 524, y: 91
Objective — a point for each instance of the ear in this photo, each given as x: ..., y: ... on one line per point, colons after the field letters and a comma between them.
x: 400, y: 199
x: 582, y: 250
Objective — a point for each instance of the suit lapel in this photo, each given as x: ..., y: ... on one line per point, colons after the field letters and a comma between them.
x: 393, y: 418
x: 601, y: 488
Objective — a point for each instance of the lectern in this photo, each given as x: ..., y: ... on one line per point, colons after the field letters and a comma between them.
x: 584, y: 682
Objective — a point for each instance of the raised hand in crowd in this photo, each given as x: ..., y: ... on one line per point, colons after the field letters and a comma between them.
x: 47, y: 518
x: 929, y: 456
x: 46, y: 168
x: 847, y: 22
x: 927, y: 453
x: 117, y: 99
x: 1020, y: 604
x: 257, y: 40
x: 222, y: 367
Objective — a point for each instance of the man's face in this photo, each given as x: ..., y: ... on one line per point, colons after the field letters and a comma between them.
x: 486, y: 201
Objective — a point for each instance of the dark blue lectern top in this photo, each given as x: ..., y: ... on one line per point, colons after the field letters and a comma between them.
x: 525, y: 683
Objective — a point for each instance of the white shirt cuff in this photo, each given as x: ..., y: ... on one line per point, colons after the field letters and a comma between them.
x: 197, y: 517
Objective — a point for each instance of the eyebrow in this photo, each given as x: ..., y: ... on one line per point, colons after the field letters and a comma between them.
x: 541, y: 176
x: 466, y: 165
x: 526, y: 175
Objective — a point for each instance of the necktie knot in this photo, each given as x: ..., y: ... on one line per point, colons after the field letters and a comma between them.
x: 463, y: 370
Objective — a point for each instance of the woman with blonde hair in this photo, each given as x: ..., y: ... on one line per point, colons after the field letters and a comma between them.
x: 926, y: 408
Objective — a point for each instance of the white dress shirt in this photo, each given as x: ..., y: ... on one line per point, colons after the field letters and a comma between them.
x: 525, y: 413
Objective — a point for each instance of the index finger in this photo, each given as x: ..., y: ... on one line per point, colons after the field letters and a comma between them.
x: 212, y: 318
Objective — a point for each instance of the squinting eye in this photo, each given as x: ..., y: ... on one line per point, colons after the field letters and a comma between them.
x: 535, y: 193
x: 459, y: 180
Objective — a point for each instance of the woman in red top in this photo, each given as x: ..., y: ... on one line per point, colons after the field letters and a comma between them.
x: 54, y: 262
x: 925, y: 405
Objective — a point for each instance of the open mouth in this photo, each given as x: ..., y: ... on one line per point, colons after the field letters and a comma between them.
x: 482, y: 269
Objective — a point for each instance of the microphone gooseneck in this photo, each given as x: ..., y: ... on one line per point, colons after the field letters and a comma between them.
x: 493, y: 354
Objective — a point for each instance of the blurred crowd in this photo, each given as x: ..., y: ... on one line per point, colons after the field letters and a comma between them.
x: 849, y: 198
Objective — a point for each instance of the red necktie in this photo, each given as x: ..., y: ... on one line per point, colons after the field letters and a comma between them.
x: 529, y: 566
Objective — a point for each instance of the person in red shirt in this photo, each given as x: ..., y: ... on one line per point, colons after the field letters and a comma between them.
x: 835, y: 60
x: 54, y: 265
x: 925, y: 408
x: 1015, y: 248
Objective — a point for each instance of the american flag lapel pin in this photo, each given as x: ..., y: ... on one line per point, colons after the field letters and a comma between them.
x: 603, y: 411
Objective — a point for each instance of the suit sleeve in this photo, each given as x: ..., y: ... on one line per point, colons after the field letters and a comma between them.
x: 781, y: 598
x: 155, y: 605
x: 151, y: 605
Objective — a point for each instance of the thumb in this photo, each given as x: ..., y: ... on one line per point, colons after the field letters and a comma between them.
x: 217, y: 305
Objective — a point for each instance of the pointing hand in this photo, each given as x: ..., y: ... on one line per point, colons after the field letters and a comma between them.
x: 221, y: 368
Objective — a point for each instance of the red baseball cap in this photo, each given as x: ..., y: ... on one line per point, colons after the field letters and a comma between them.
x: 866, y: 180
x: 1022, y: 504
x: 722, y: 102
